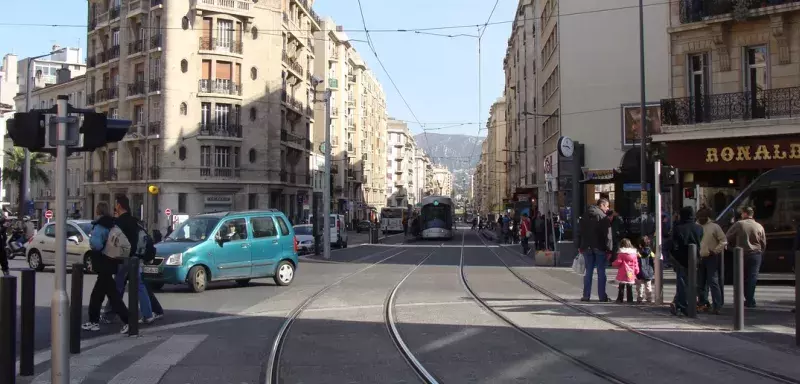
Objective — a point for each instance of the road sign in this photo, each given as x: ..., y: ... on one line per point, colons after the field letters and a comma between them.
x: 48, y: 214
x: 168, y: 212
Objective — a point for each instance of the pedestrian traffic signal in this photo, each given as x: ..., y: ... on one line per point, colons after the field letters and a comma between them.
x: 30, y: 130
x: 98, y: 130
x: 669, y: 176
x: 26, y: 130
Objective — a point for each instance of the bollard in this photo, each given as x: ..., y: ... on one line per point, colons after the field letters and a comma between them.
x: 691, y: 284
x: 721, y: 273
x: 27, y: 320
x: 76, y: 300
x: 738, y: 289
x: 796, y: 298
x: 133, y: 296
x: 8, y: 329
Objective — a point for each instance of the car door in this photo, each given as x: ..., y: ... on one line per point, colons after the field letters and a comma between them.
x: 266, y: 245
x: 286, y: 239
x: 74, y: 251
x: 232, y: 253
x: 47, y: 244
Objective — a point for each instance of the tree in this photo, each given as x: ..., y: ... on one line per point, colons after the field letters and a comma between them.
x: 12, y: 169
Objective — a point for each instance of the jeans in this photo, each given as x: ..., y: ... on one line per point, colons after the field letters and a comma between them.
x: 708, y: 279
x: 145, y: 307
x: 595, y: 259
x: 752, y: 264
x: 680, y: 289
x: 524, y: 241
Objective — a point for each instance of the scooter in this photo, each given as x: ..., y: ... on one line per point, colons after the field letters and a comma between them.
x: 13, y: 249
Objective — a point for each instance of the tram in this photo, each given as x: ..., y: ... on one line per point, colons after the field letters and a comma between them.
x: 436, y: 217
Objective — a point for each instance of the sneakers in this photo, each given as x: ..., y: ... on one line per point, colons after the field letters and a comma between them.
x: 147, y: 320
x: 124, y: 329
x: 106, y: 319
x: 92, y: 327
x: 157, y: 316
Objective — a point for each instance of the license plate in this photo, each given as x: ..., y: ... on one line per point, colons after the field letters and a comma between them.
x: 150, y: 270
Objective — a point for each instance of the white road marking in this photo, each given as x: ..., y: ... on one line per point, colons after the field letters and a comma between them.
x: 82, y: 365
x: 150, y: 368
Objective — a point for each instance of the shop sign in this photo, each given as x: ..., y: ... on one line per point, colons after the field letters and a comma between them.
x: 597, y: 174
x: 218, y: 199
x: 745, y: 153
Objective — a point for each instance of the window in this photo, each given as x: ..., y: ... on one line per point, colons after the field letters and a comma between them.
x: 182, y: 153
x: 184, y: 109
x: 755, y: 78
x: 205, y: 156
x: 182, y: 202
x: 252, y: 155
x: 72, y: 231
x: 205, y: 115
x: 699, y: 82
x: 263, y: 227
x: 50, y: 231
x: 252, y: 202
x: 225, y: 34
x: 221, y: 115
x: 233, y: 230
x: 138, y: 114
x: 283, y: 225
x: 222, y: 157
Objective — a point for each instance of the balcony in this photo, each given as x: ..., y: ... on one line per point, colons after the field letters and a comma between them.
x: 310, y: 12
x: 333, y: 83
x: 138, y: 6
x: 106, y: 94
x: 155, y: 85
x: 137, y: 173
x: 334, y: 55
x: 136, y: 88
x: 219, y: 86
x: 235, y: 7
x: 231, y: 130
x: 154, y: 128
x: 293, y: 65
x: 155, y: 172
x: 294, y: 103
x: 113, y: 13
x: 135, y: 47
x: 91, y: 61
x: 220, y: 45
x: 90, y: 98
x: 108, y: 175
x: 112, y: 53
x: 765, y: 104
x: 206, y: 171
x: 692, y: 11
x: 155, y: 41
x: 297, y: 141
x: 351, y: 78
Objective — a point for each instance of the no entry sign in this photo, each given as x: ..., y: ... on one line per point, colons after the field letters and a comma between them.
x: 168, y: 212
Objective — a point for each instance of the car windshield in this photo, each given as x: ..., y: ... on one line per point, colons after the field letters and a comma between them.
x: 193, y: 230
x: 303, y: 230
x: 86, y: 228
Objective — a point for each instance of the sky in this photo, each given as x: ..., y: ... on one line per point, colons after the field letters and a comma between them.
x: 437, y: 76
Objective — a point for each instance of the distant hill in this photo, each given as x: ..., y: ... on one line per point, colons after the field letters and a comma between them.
x: 453, y: 151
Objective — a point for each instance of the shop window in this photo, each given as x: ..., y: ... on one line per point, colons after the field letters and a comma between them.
x: 182, y: 202
x: 182, y: 153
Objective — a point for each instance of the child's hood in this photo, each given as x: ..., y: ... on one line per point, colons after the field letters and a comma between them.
x: 630, y: 251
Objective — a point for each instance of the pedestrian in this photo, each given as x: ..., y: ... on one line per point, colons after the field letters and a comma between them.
x: 130, y: 227
x: 105, y: 267
x: 627, y: 264
x: 749, y: 235
x: 595, y: 245
x: 685, y: 232
x: 525, y: 233
x: 647, y: 268
x: 712, y: 247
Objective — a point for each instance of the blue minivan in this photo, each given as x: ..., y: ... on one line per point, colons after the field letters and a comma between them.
x: 236, y: 246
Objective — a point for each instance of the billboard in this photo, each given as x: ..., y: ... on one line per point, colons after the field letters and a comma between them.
x: 631, y: 122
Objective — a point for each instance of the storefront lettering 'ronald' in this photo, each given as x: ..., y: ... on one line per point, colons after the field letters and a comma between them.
x: 753, y: 153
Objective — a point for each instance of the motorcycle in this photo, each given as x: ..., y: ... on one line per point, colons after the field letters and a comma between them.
x: 13, y: 249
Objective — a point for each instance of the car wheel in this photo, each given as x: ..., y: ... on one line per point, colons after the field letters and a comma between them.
x: 284, y: 274
x: 242, y: 282
x: 87, y: 264
x: 198, y: 278
x: 35, y: 260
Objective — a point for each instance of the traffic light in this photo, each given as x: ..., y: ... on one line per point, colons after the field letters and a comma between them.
x: 98, y: 130
x: 30, y: 130
x: 27, y: 130
x: 669, y: 175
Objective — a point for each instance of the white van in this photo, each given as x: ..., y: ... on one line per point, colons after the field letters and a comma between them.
x: 338, y: 230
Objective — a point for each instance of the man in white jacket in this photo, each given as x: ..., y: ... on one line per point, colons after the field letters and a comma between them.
x: 712, y: 248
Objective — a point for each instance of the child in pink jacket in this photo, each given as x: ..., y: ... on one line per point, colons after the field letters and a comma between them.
x: 627, y: 264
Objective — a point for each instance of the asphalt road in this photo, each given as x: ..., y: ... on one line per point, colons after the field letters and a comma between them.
x: 342, y: 335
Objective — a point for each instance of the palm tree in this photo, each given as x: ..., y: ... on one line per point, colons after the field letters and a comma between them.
x: 12, y: 170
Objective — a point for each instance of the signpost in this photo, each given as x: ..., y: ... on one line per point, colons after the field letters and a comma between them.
x: 48, y: 214
x: 168, y: 212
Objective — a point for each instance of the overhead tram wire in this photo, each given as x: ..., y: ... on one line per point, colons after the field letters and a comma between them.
x: 481, y: 31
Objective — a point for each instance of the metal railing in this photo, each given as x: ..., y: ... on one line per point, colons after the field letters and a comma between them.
x: 112, y: 53
x: 695, y: 10
x: 220, y: 86
x: 224, y: 45
x: 113, y: 13
x: 763, y: 104
x: 221, y: 130
x: 136, y: 47
x: 108, y: 175
x: 293, y: 64
x: 155, y: 41
x: 155, y: 85
x: 154, y: 128
x: 136, y: 88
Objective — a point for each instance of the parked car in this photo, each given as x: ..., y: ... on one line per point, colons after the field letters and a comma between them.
x: 40, y: 250
x: 305, y: 238
x: 237, y: 246
x: 338, y: 230
x: 363, y: 226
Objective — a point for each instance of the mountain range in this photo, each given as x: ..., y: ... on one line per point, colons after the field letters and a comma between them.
x: 459, y: 153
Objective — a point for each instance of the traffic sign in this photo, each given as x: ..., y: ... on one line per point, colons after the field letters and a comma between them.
x: 168, y: 212
x: 48, y: 214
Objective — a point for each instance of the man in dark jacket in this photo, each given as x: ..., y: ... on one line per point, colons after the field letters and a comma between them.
x: 685, y: 232
x: 595, y: 244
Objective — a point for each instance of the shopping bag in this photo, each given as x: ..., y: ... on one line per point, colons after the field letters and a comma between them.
x: 579, y: 265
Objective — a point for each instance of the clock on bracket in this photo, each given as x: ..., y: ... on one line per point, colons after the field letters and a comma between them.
x: 565, y: 146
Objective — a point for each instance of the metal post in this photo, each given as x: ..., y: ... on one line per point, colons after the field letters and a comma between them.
x: 315, y: 223
x: 643, y: 123
x: 658, y: 290
x: 691, y: 286
x: 796, y: 298
x: 721, y: 274
x: 133, y: 296
x: 59, y: 306
x: 8, y: 329
x: 27, y: 321
x: 326, y: 185
x: 76, y: 297
x: 25, y: 183
x: 738, y: 286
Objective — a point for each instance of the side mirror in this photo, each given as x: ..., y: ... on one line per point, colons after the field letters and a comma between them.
x: 74, y: 239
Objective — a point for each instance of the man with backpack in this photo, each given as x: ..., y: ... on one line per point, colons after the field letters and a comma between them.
x: 141, y: 247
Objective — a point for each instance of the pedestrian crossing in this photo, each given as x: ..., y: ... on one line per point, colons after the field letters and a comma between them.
x: 158, y: 355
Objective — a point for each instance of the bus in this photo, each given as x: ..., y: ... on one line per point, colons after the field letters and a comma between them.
x: 392, y: 219
x: 436, y: 217
x: 775, y: 199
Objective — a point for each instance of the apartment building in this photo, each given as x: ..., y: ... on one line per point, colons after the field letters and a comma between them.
x: 481, y: 202
x: 358, y: 124
x: 42, y: 189
x: 43, y: 69
x: 401, y: 150
x: 422, y: 176
x: 730, y: 113
x: 219, y: 122
x: 497, y: 156
x: 520, y: 92
x: 442, y: 181
x: 9, y: 87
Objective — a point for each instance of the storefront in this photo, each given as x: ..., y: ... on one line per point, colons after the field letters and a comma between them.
x: 713, y: 172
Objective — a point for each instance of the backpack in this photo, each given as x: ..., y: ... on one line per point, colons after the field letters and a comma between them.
x: 145, y: 248
x: 117, y: 245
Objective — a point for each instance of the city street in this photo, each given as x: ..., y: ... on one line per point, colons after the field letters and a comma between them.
x: 458, y: 311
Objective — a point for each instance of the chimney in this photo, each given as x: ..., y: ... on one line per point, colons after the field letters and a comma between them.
x: 63, y: 75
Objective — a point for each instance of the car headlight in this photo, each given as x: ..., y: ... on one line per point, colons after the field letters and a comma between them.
x: 175, y: 259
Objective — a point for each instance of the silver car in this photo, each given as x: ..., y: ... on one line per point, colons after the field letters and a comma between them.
x: 305, y: 238
x: 40, y: 250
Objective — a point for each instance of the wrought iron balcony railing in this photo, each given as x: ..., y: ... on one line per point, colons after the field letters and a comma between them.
x: 763, y: 104
x: 136, y: 88
x: 220, y: 86
x: 221, y: 130
x: 136, y: 47
x: 225, y: 45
